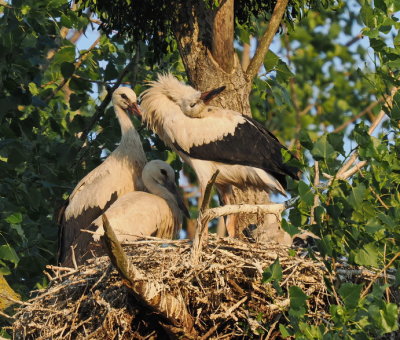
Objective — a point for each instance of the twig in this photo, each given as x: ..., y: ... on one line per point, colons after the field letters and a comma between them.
x: 362, y: 113
x: 365, y: 291
x: 271, y: 329
x: 273, y: 208
x: 385, y: 276
x: 9, y: 298
x: 210, y: 331
x: 58, y: 268
x: 266, y: 39
x: 201, y: 228
x: 4, y: 314
x: 353, y: 40
x: 73, y: 257
x: 77, y: 65
x: 344, y: 172
x: 316, y: 198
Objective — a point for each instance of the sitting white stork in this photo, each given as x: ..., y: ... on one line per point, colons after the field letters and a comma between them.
x: 210, y: 138
x: 137, y: 213
x: 119, y: 174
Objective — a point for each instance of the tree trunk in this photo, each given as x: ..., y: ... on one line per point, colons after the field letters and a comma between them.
x: 210, y: 63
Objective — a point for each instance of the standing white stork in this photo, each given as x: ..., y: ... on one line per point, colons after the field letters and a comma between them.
x: 119, y: 174
x: 157, y: 213
x: 210, y: 138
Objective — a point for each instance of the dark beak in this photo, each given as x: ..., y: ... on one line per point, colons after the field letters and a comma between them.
x: 133, y: 109
x: 179, y: 199
x: 206, y: 97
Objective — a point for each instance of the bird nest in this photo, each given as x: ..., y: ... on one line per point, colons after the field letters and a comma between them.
x: 223, y: 293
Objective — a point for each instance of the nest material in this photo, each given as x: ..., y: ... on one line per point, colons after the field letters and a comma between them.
x: 224, y: 293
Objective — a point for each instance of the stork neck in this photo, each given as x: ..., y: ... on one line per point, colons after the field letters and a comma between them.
x: 159, y: 190
x: 124, y: 121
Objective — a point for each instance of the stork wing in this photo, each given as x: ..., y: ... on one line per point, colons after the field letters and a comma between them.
x: 82, y: 202
x: 251, y: 144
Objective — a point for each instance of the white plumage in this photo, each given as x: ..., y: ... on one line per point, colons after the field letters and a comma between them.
x: 135, y: 214
x: 119, y: 174
x: 210, y: 138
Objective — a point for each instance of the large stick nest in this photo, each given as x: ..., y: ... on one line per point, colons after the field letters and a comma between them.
x: 224, y: 293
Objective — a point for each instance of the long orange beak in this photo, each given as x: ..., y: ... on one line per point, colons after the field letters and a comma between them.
x: 206, y: 97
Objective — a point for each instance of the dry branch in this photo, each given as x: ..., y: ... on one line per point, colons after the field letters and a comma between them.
x: 273, y: 208
x: 201, y: 228
x: 152, y: 293
x: 345, y: 171
x: 266, y: 39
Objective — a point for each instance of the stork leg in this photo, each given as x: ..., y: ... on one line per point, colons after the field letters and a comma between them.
x: 230, y: 221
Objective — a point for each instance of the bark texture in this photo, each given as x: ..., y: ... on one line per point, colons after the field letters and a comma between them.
x: 209, y: 63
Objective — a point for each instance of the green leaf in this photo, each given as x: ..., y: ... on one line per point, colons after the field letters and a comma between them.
x: 305, y: 140
x: 389, y: 316
x: 8, y: 253
x: 15, y: 218
x: 306, y: 194
x: 367, y: 256
x: 322, y: 149
x: 270, y: 61
x: 33, y: 89
x: 357, y: 195
x: 337, y: 141
x: 273, y: 272
x: 110, y: 72
x: 289, y: 228
x: 284, y: 331
x: 297, y: 302
x: 67, y: 69
x: 350, y: 294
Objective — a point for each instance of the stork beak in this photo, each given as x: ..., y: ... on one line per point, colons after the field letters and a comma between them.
x: 134, y: 110
x: 206, y: 97
x: 179, y: 199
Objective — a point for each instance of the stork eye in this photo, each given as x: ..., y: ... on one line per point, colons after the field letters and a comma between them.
x: 163, y: 172
x: 193, y: 104
x: 123, y: 95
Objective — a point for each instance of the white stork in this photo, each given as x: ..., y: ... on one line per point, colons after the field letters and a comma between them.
x: 119, y: 174
x: 210, y: 138
x: 138, y: 213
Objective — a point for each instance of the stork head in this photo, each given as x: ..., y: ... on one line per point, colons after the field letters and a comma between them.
x: 168, y: 88
x: 125, y: 98
x: 157, y: 174
x: 193, y: 102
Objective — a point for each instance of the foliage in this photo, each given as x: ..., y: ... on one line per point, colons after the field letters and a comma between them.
x: 42, y: 156
x: 155, y: 21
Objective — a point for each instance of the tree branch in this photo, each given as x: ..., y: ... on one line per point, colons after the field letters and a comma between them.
x: 273, y: 208
x: 316, y: 198
x: 266, y: 39
x: 201, y: 228
x: 223, y: 34
x: 362, y: 113
x: 77, y: 65
x: 345, y: 171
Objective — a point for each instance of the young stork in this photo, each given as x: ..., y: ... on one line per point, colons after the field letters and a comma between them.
x: 210, y: 138
x: 157, y: 213
x: 119, y: 174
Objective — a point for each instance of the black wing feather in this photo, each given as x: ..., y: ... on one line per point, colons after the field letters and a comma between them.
x: 252, y: 145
